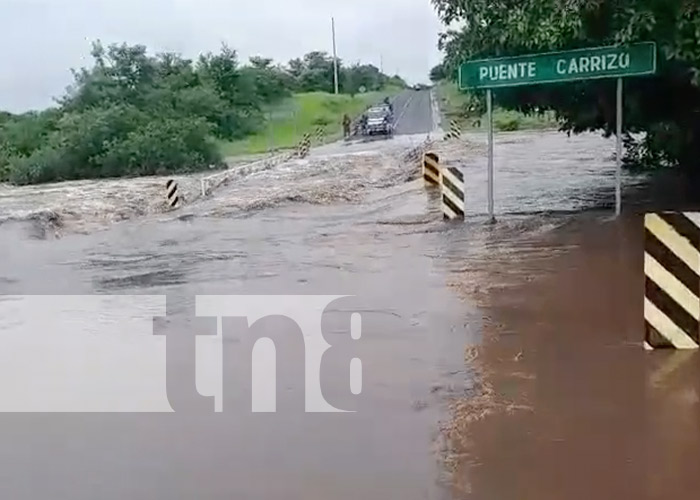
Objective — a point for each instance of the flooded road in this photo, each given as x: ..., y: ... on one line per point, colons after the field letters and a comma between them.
x: 569, y: 404
x: 407, y: 350
x: 359, y: 224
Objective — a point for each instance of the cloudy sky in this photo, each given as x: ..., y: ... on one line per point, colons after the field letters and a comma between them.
x: 43, y: 39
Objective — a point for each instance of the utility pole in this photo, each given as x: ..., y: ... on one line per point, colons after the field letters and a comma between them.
x: 335, y: 58
x: 381, y: 63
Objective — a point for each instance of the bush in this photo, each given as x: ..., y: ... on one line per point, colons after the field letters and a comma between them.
x: 175, y: 145
x: 28, y: 132
x: 657, y: 148
x: 6, y: 153
x: 506, y: 123
x: 322, y: 121
x: 228, y: 122
x: 72, y: 150
x: 43, y: 165
x: 158, y: 147
x: 83, y: 136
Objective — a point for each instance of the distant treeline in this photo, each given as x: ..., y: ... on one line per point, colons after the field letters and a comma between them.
x: 135, y: 114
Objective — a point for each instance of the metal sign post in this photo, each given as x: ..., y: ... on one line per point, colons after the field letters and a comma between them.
x: 489, y: 112
x: 618, y: 159
x: 619, y: 61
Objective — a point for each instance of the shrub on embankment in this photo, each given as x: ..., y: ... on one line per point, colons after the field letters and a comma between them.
x: 469, y: 111
x: 133, y: 114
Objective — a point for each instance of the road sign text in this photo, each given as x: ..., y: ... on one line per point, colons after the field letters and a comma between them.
x: 581, y: 64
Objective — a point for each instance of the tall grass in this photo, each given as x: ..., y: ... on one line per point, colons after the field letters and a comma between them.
x: 304, y: 113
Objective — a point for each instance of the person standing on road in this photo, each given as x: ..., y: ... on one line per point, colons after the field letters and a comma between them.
x: 363, y: 123
x: 346, y: 126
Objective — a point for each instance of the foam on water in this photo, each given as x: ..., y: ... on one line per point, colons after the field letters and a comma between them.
x: 535, y: 172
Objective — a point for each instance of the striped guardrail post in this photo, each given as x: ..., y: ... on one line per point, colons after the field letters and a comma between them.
x: 304, y: 146
x: 171, y: 193
x: 431, y: 169
x: 455, y: 131
x: 453, y: 199
x: 320, y: 135
x: 672, y: 280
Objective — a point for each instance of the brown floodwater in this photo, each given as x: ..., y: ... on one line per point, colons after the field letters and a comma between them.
x: 557, y: 403
x: 569, y: 405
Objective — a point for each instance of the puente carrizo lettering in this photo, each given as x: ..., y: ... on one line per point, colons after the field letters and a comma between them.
x: 553, y: 67
x: 593, y: 64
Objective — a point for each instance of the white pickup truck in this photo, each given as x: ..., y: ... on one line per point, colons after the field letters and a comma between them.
x: 378, y: 120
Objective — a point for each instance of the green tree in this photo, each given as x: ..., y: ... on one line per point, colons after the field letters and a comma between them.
x: 132, y: 113
x: 121, y: 74
x: 665, y: 106
x: 26, y: 133
x: 438, y: 73
x: 160, y: 147
x: 296, y: 67
x: 362, y: 75
x: 271, y: 83
x: 397, y: 81
x: 317, y: 73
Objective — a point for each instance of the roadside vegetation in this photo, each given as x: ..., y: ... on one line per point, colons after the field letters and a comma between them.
x: 287, y: 122
x: 661, y: 118
x: 468, y: 110
x: 135, y: 114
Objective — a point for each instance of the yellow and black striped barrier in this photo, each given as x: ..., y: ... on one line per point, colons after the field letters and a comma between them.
x: 672, y: 280
x: 304, y: 146
x: 320, y: 135
x: 455, y: 131
x: 431, y: 169
x: 171, y: 193
x: 452, y: 180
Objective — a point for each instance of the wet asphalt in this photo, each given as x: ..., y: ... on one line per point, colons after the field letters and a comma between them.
x: 414, y: 113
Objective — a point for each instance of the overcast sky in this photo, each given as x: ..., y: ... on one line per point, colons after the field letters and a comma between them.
x: 43, y: 39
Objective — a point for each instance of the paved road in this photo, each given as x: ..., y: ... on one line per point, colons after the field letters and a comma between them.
x: 414, y: 112
x: 414, y: 121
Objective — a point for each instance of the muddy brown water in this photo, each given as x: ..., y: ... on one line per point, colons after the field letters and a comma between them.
x: 570, y: 404
x: 359, y: 225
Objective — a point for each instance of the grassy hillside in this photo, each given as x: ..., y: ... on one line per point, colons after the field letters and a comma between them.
x: 302, y: 113
x: 456, y: 105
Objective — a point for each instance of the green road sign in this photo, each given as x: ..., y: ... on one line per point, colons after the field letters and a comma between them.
x: 553, y: 67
